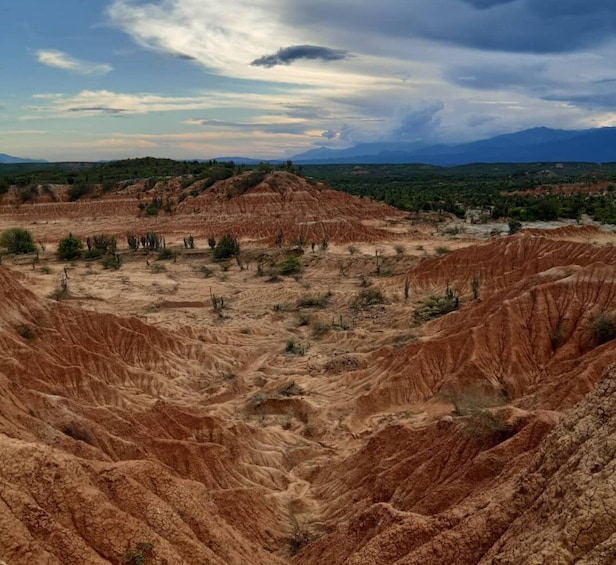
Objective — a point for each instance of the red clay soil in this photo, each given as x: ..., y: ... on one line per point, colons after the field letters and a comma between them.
x: 556, y: 506
x: 529, y: 338
x: 282, y: 202
x: 117, y: 436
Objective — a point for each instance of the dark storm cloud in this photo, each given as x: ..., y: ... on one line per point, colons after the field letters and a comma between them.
x: 419, y: 122
x: 288, y: 55
x: 532, y: 26
x: 499, y: 77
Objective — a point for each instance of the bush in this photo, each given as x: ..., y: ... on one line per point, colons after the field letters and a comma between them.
x: 290, y: 266
x: 26, y: 331
x: 166, y: 253
x: 138, y: 555
x: 368, y: 297
x: 436, y: 306
x: 69, y: 248
x: 319, y: 301
x: 227, y: 247
x: 77, y: 190
x: 113, y: 262
x: 604, y: 327
x: 17, y: 240
x: 514, y: 226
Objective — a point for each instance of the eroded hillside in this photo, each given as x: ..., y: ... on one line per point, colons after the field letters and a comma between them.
x: 391, y: 401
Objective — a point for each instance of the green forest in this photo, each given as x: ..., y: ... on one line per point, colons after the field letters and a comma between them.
x: 513, y: 191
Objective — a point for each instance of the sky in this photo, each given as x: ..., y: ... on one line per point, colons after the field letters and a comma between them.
x: 199, y: 79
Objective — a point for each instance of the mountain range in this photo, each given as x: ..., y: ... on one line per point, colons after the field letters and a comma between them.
x: 539, y: 144
x: 6, y: 159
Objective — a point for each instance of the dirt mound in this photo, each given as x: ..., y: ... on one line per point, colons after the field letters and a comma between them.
x: 284, y: 203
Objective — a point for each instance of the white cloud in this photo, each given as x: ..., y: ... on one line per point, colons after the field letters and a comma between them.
x: 64, y: 61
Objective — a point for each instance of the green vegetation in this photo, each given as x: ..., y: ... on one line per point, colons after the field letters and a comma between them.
x: 138, y: 555
x: 166, y: 253
x: 226, y: 248
x: 436, y: 306
x: 604, y: 327
x: 69, y: 248
x: 17, y: 240
x: 290, y: 266
x: 368, y: 297
x: 520, y: 191
x: 99, y: 245
x: 512, y: 191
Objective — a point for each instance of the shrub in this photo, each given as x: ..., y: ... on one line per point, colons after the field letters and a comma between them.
x: 77, y: 190
x: 514, y: 226
x: 113, y: 262
x: 17, y: 240
x: 101, y: 243
x: 319, y: 301
x: 166, y: 253
x: 442, y: 250
x: 26, y: 331
x: 227, y: 247
x: 138, y: 555
x: 368, y: 297
x: 320, y: 328
x: 93, y: 253
x: 436, y: 306
x: 294, y: 348
x: 69, y: 248
x: 604, y: 327
x: 290, y: 266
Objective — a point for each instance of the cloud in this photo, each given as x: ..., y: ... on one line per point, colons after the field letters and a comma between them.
x: 419, y: 122
x: 290, y: 127
x: 103, y: 102
x: 288, y: 55
x: 329, y: 134
x: 64, y: 61
x: 524, y: 26
x: 97, y: 110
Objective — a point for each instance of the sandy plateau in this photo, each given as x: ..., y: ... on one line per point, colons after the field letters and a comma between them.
x: 330, y: 416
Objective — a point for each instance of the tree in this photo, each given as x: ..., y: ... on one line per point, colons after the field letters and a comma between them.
x: 514, y: 226
x: 17, y: 240
x: 227, y: 247
x: 69, y: 248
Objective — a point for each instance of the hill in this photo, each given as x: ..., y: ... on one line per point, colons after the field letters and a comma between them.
x: 4, y: 158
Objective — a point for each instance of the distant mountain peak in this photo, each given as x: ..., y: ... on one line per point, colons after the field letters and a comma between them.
x: 538, y: 144
x: 9, y: 159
